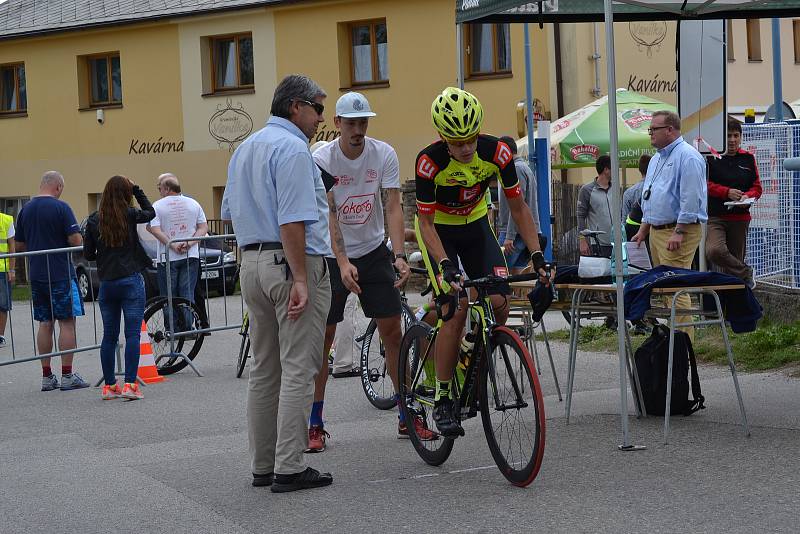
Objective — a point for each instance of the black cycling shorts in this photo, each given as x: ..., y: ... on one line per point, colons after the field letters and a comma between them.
x: 379, y: 298
x: 476, y: 246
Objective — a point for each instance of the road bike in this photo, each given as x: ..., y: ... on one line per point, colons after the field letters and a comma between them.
x: 497, y: 378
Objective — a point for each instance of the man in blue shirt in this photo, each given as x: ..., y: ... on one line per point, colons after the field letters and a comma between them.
x: 674, y: 199
x: 277, y: 202
x: 44, y: 223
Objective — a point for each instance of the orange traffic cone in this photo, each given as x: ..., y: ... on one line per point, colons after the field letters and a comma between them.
x: 147, y: 363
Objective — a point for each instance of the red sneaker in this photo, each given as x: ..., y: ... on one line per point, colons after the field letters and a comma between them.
x: 316, y: 439
x: 131, y: 392
x: 422, y: 432
x: 111, y: 392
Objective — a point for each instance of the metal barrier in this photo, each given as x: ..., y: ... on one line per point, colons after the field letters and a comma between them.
x: 34, y: 344
x: 225, y: 263
x: 218, y: 269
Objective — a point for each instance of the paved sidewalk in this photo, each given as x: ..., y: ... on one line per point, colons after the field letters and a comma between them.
x: 177, y: 461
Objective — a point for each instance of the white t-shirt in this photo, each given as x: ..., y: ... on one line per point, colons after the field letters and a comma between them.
x: 178, y: 216
x: 357, y: 191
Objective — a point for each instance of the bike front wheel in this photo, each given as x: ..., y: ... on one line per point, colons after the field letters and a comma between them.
x: 187, y: 318
x: 375, y: 379
x: 418, y: 389
x: 512, y: 408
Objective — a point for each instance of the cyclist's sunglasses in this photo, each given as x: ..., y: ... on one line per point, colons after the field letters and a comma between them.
x: 319, y: 108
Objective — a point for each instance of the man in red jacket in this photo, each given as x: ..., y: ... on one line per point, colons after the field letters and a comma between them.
x: 732, y: 178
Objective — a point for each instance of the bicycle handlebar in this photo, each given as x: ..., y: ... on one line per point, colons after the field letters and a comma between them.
x: 494, y: 280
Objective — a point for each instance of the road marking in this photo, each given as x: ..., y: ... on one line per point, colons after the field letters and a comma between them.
x: 431, y: 475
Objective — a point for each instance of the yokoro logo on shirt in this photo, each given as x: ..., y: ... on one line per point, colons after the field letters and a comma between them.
x: 356, y: 209
x: 230, y: 124
x: 585, y: 152
x: 372, y: 175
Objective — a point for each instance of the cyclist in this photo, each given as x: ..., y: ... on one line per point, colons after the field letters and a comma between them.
x: 452, y: 181
x: 362, y: 167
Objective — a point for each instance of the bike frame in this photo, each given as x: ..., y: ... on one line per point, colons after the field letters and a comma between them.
x: 485, y: 324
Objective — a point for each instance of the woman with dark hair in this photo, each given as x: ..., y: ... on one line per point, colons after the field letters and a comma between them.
x: 112, y: 241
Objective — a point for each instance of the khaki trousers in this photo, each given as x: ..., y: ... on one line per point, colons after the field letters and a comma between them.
x: 676, y: 258
x: 726, y: 245
x: 285, y: 359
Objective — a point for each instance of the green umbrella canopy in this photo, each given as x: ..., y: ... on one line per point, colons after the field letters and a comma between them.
x: 578, y: 139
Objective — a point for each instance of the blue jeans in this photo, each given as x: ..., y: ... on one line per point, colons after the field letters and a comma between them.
x: 183, y: 279
x: 126, y: 296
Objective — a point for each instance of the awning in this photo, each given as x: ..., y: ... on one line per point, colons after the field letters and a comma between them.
x: 625, y: 10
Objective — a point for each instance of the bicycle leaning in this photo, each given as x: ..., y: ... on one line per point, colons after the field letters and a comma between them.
x: 496, y: 377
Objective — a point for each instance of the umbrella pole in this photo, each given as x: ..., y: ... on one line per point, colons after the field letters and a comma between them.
x: 615, y: 231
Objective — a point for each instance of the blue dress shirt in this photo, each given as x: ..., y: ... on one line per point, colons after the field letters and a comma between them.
x: 272, y: 181
x: 676, y: 179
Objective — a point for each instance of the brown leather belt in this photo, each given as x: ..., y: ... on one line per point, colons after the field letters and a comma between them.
x: 274, y: 245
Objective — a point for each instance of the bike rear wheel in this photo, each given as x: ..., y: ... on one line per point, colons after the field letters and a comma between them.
x: 512, y: 408
x: 375, y: 379
x: 418, y: 388
x: 187, y: 317
x: 244, y: 348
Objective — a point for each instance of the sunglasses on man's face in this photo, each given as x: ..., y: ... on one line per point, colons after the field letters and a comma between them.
x: 319, y: 108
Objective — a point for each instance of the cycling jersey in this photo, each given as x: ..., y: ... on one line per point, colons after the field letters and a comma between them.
x: 456, y: 192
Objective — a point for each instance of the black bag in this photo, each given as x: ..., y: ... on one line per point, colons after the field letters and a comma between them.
x: 651, y: 365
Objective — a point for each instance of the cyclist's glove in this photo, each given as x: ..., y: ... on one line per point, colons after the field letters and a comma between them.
x: 450, y: 272
x: 537, y: 259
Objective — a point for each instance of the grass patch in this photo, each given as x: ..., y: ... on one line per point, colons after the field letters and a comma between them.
x: 21, y: 293
x: 771, y: 346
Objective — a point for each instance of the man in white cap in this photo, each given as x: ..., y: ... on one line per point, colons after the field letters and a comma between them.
x: 362, y: 167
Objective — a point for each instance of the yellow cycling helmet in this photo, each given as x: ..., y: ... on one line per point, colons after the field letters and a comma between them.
x: 456, y: 114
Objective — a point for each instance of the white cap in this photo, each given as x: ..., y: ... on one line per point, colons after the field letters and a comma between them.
x: 352, y: 106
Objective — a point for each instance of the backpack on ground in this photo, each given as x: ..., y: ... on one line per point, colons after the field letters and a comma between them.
x: 651, y: 365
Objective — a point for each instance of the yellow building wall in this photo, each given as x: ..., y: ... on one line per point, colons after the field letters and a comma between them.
x: 750, y: 83
x: 56, y: 134
x: 421, y: 37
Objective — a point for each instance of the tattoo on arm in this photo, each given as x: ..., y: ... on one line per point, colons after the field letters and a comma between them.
x: 336, y: 233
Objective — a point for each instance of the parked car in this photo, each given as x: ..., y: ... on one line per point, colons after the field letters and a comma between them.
x: 218, y: 270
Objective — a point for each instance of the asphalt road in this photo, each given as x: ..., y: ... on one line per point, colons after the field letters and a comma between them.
x: 177, y: 461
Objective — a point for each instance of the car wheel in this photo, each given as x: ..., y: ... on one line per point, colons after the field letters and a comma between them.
x: 84, y: 286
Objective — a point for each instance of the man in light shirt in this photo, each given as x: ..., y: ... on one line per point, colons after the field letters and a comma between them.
x: 674, y: 199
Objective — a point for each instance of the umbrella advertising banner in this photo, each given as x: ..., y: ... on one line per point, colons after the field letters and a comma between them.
x: 578, y: 139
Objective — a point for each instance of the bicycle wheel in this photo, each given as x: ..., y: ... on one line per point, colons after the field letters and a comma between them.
x: 512, y: 408
x: 244, y: 348
x: 375, y: 379
x: 187, y: 317
x: 418, y: 388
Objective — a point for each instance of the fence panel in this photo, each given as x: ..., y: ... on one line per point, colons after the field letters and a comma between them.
x: 772, y: 242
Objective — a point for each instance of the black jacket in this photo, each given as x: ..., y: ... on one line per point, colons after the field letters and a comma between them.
x: 130, y: 258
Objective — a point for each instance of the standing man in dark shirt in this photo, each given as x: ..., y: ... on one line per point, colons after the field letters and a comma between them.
x: 46, y: 222
x: 734, y: 177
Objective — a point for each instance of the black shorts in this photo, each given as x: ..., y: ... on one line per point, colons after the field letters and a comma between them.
x: 376, y: 277
x: 476, y: 246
